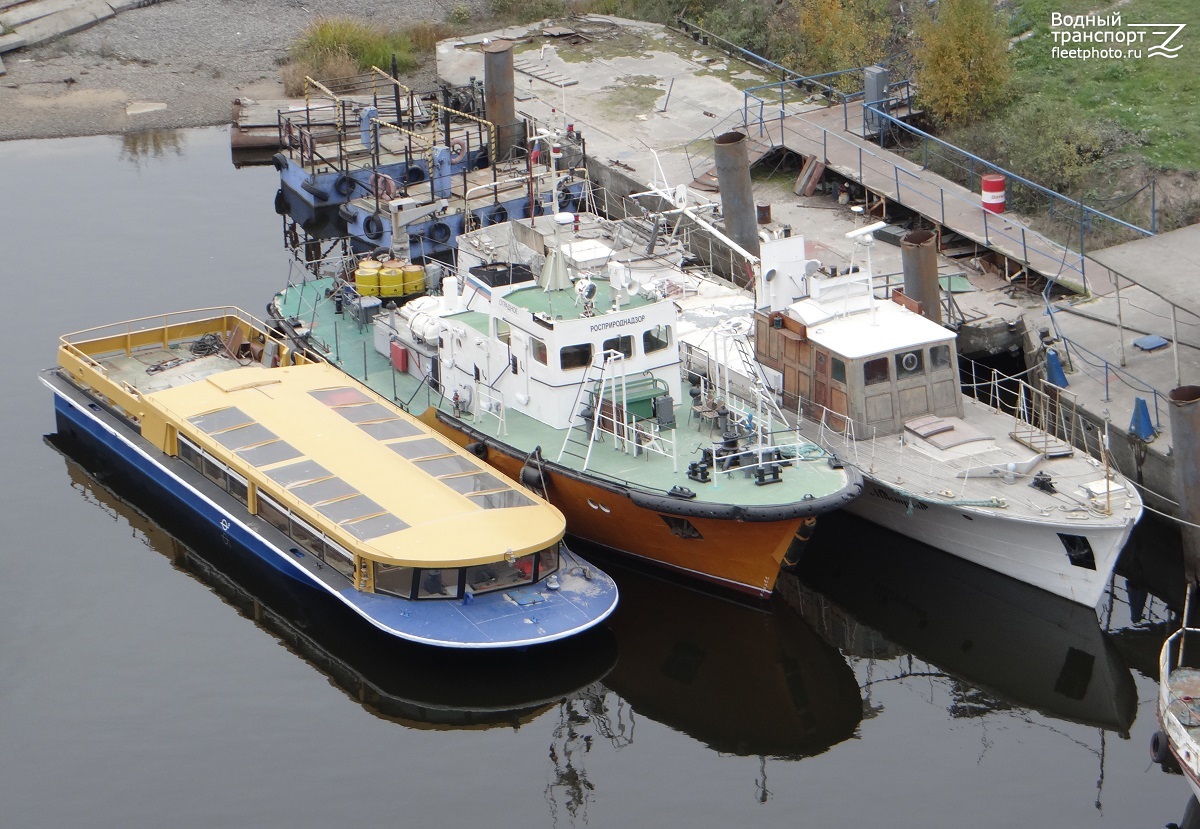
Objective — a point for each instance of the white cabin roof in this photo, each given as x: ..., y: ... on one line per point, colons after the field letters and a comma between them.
x: 859, y: 334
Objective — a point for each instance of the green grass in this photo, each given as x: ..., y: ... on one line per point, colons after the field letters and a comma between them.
x: 1154, y: 99
x: 365, y: 43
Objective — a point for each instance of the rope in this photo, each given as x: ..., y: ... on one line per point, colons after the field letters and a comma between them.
x: 208, y: 345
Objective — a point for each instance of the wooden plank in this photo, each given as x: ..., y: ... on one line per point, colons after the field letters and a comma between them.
x: 10, y: 42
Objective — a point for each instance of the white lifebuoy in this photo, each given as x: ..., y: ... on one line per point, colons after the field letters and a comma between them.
x: 383, y: 186
x: 459, y: 152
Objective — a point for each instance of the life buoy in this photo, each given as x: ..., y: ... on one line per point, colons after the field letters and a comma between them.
x: 459, y: 151
x: 497, y: 215
x: 306, y: 146
x: 439, y: 232
x: 344, y: 185
x: 383, y: 186
x: 373, y: 227
x: 414, y: 174
x: 290, y: 138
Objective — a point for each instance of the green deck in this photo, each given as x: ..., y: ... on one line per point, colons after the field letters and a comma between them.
x: 350, y: 347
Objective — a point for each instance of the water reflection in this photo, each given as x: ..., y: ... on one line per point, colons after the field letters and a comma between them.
x: 147, y: 145
x: 743, y: 680
x: 398, y: 681
x: 1000, y: 642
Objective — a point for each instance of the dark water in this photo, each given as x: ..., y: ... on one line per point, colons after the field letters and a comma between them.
x: 147, y: 680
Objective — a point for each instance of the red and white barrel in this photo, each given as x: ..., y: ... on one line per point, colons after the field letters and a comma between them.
x: 993, y: 192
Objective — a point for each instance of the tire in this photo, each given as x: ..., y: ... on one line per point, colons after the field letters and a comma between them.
x: 373, y: 227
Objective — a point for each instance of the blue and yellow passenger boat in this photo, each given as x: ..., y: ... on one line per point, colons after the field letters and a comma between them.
x: 326, y: 481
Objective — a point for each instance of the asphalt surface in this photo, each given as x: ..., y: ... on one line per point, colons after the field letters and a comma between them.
x: 193, y: 56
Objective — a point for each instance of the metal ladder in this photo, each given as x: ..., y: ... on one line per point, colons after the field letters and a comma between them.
x: 606, y: 375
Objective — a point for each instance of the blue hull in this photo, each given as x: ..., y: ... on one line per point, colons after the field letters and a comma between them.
x: 512, y: 618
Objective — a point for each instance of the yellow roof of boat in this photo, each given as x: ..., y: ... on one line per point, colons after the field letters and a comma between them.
x: 358, y: 467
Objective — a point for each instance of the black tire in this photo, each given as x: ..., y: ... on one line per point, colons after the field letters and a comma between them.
x: 344, y: 185
x: 373, y: 227
x: 414, y: 175
x: 439, y: 232
x: 1160, y: 748
x: 497, y: 215
x: 281, y: 204
x: 280, y: 161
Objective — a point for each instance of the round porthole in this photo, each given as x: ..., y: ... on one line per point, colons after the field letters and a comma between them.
x: 909, y: 361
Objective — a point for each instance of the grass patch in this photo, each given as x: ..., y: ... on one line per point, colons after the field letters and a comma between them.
x: 339, y: 47
x: 1155, y: 99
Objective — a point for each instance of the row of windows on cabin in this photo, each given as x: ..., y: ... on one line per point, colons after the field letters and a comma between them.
x: 908, y: 364
x: 580, y: 355
x: 394, y: 580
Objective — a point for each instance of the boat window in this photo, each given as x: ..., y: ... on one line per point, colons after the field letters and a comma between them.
x: 239, y: 488
x: 838, y: 371
x: 365, y: 412
x: 480, y: 482
x: 272, y: 513
x: 498, y: 575
x: 269, y: 453
x: 339, y: 558
x: 215, y: 471
x: 575, y: 356
x: 910, y: 364
x: 220, y: 420
x: 329, y: 489
x: 394, y: 580
x: 547, y: 561
x: 307, y: 537
x: 341, y: 396
x: 243, y: 436
x: 438, y: 584
x: 189, y: 453
x: 875, y: 371
x: 503, y: 331
x: 501, y: 500
x: 375, y: 527
x: 656, y: 339
x: 539, y: 350
x: 300, y: 472
x: 449, y: 465
x: 423, y: 448
x: 390, y: 429
x: 349, y: 509
x: 623, y: 344
x: 939, y: 357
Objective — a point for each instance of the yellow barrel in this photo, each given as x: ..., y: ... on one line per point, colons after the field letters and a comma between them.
x: 414, y: 279
x: 391, y: 278
x: 367, y: 281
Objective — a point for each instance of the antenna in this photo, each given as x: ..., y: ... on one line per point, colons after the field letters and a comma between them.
x: 863, y: 231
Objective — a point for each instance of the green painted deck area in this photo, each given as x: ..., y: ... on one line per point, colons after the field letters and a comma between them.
x: 351, y: 348
x: 562, y: 303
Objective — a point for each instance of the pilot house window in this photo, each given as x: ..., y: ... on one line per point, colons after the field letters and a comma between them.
x: 939, y: 357
x: 656, y: 339
x: 622, y: 344
x: 575, y: 356
x: 875, y: 371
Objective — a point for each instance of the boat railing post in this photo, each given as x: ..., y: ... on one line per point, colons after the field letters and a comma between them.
x: 337, y: 348
x: 1187, y: 605
x: 364, y: 345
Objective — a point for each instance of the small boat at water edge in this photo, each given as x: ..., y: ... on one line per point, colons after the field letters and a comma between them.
x: 324, y: 481
x: 395, y: 680
x: 577, y: 354
x: 1176, y: 745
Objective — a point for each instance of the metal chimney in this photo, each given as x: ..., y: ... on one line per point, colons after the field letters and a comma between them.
x: 919, y: 258
x: 737, y: 197
x: 1185, y: 451
x: 499, y: 99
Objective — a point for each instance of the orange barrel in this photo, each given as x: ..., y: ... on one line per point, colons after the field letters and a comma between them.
x: 391, y: 278
x: 993, y: 192
x: 366, y: 278
x: 414, y: 279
